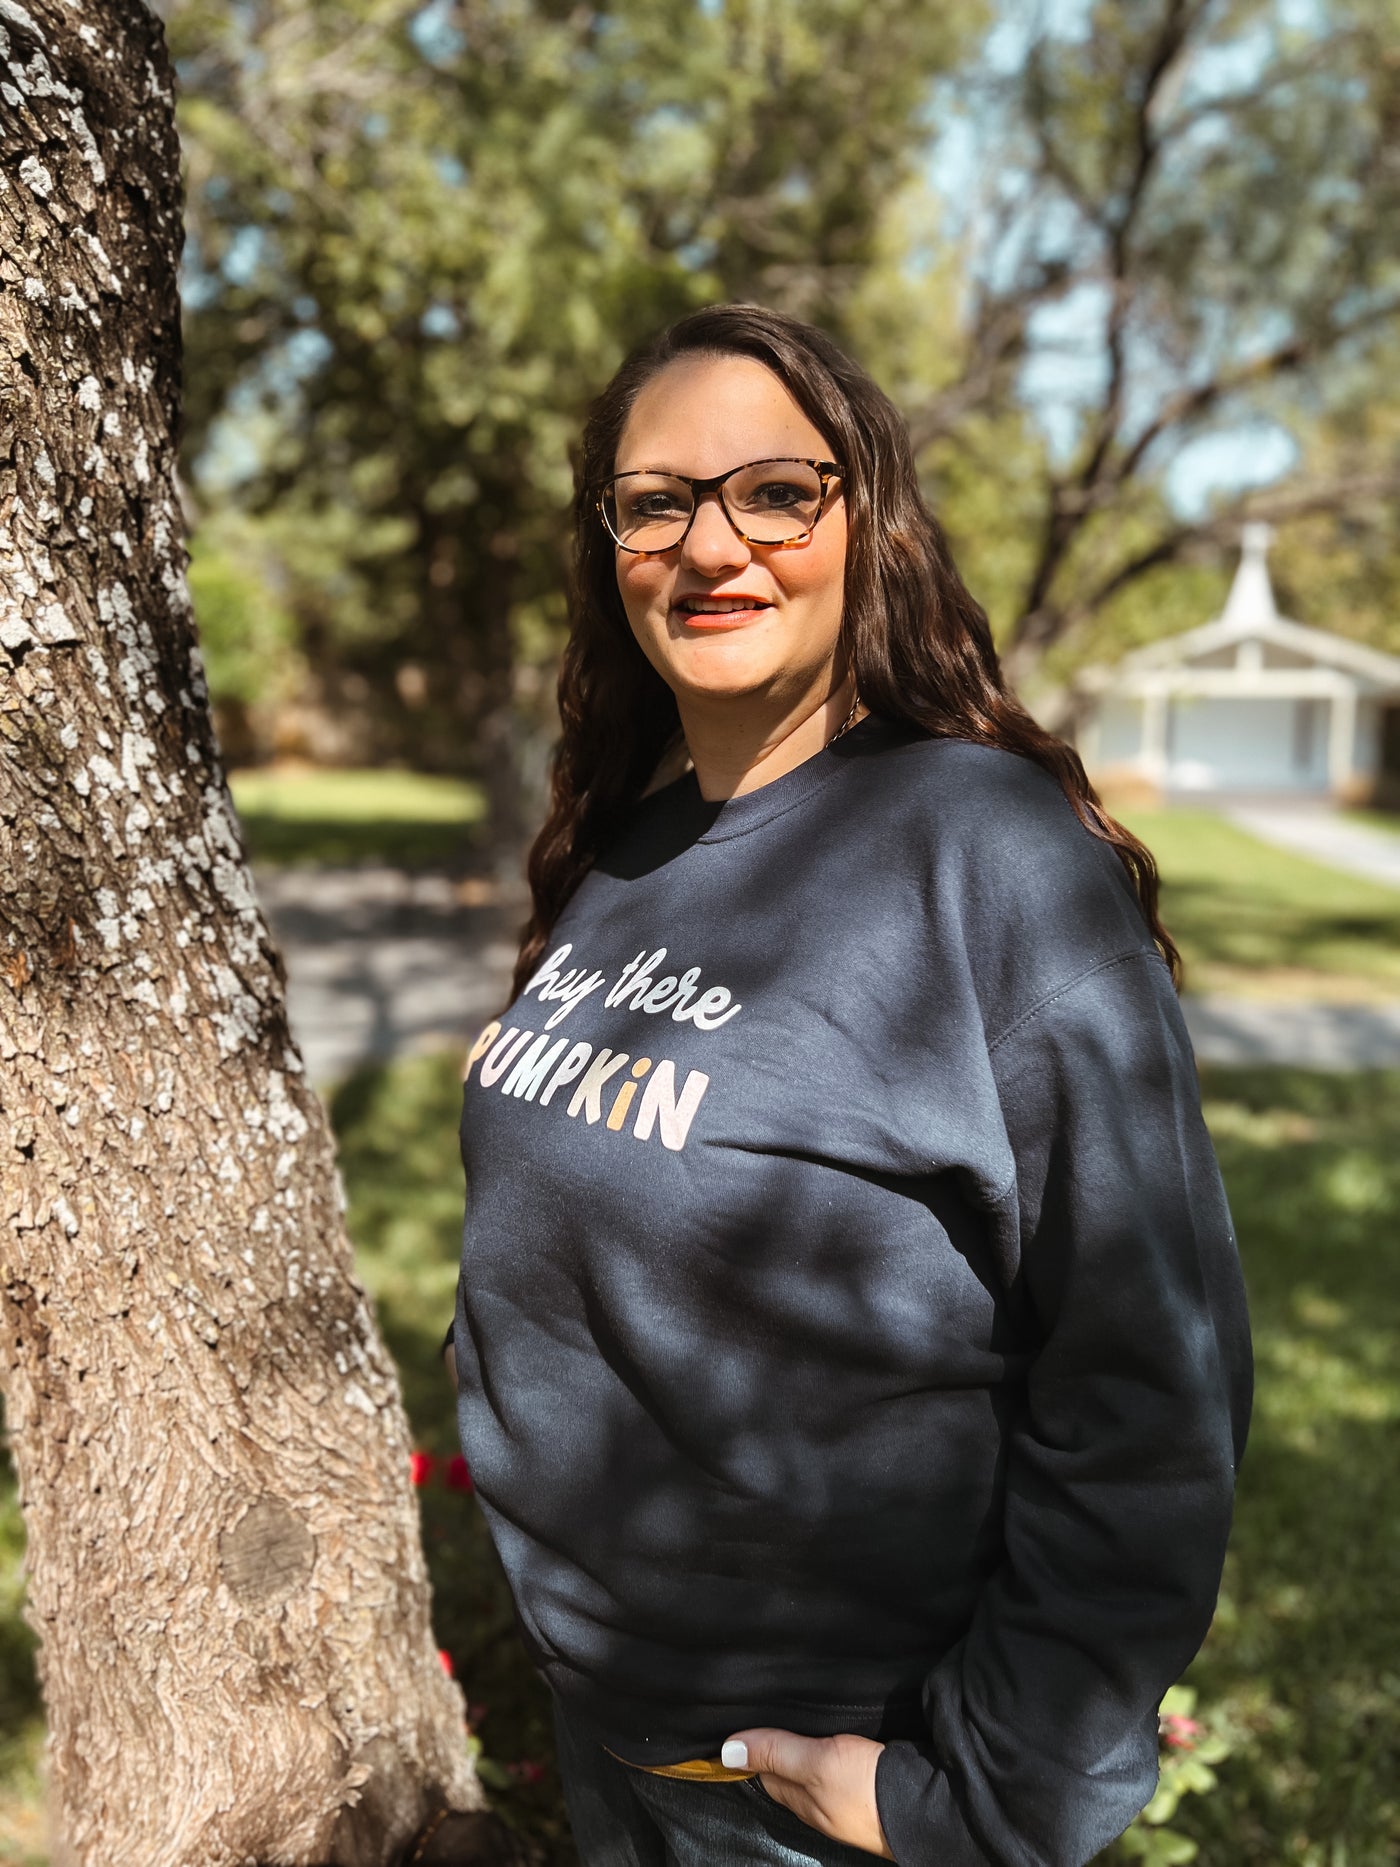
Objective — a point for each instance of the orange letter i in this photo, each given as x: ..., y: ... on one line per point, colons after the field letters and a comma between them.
x: 617, y: 1114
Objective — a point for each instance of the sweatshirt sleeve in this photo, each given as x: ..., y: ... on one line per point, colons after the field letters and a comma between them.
x: 1042, y: 1728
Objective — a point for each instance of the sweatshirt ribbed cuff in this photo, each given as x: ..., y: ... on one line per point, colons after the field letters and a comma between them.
x: 922, y: 1823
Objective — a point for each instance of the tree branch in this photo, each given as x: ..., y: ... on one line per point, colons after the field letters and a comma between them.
x: 1223, y: 527
x: 1282, y: 360
x: 1172, y: 36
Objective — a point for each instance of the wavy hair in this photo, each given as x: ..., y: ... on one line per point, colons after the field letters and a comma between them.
x: 919, y: 646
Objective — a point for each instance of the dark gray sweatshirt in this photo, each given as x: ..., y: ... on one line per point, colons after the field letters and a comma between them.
x: 850, y: 1329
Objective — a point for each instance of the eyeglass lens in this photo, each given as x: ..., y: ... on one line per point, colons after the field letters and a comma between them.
x: 769, y: 502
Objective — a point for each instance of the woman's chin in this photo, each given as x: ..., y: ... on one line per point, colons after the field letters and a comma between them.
x: 724, y: 667
x: 738, y: 690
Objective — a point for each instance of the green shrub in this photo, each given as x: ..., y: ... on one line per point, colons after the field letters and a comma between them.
x: 246, y: 636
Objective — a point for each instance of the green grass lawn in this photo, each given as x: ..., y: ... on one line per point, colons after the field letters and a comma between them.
x: 1251, y: 918
x: 1375, y: 819
x: 1302, y: 1668
x: 1304, y: 1659
x: 309, y: 815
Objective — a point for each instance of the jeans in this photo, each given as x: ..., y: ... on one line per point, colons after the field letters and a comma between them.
x: 624, y: 1817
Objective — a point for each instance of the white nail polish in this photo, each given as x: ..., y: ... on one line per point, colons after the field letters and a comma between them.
x: 734, y: 1754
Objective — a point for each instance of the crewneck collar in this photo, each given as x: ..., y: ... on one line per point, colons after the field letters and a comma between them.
x: 736, y: 816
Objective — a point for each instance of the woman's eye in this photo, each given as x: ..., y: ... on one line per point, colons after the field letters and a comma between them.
x: 777, y: 495
x: 655, y: 506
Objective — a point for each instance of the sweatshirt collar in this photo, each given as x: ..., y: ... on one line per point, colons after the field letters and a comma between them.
x: 736, y: 816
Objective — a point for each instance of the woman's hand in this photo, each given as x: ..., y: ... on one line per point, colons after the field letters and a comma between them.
x: 829, y: 1782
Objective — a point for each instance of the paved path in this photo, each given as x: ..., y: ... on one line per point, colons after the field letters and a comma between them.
x: 1326, y: 836
x: 1316, y: 1037
x: 381, y: 963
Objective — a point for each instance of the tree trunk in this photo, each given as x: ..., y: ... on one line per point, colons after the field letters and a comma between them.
x: 497, y: 724
x: 225, y: 1566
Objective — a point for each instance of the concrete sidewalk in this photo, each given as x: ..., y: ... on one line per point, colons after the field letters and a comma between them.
x: 1324, y: 835
x: 1311, y: 1036
x: 383, y: 963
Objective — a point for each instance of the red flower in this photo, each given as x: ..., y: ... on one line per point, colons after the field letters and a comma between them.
x: 1179, y: 1733
x: 420, y: 1467
x: 458, y: 1474
x: 527, y: 1770
x: 445, y: 1661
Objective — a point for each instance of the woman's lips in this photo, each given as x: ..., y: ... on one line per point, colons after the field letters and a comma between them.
x: 715, y: 620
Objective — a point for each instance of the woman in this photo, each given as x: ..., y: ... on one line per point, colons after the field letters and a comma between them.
x: 851, y: 1345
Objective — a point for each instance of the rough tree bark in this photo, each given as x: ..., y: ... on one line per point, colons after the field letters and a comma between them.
x: 224, y: 1557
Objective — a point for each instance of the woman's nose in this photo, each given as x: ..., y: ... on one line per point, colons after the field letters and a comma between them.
x: 712, y: 546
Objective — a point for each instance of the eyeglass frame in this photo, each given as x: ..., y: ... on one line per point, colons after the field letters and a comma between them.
x: 826, y: 471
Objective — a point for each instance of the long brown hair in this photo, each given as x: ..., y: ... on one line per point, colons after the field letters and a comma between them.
x: 919, y: 646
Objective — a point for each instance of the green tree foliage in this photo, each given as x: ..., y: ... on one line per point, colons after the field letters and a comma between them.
x: 247, y: 635
x: 1076, y: 242
x: 421, y: 237
x: 1341, y: 565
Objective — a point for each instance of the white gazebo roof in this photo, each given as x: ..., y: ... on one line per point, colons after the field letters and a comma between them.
x: 1251, y: 614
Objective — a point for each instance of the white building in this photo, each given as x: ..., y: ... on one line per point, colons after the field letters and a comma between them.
x: 1249, y: 703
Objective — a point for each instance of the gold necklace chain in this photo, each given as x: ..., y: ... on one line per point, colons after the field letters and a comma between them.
x: 844, y: 727
x: 847, y: 723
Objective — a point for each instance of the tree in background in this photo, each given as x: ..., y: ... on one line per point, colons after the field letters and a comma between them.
x: 224, y: 1564
x: 425, y: 236
x: 1181, y: 223
x: 1344, y: 563
x: 1080, y: 243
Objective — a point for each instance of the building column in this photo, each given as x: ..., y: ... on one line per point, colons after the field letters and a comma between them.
x: 1154, y: 735
x: 1341, y: 742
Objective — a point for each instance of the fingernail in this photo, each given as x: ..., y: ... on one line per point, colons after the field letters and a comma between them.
x: 734, y: 1754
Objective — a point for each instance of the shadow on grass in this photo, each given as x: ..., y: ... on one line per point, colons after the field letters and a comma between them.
x: 338, y: 817
x: 1221, y: 925
x: 1234, y: 902
x: 1304, y: 1658
x: 22, y: 1812
x: 329, y: 843
x: 1302, y: 1664
x: 397, y: 1132
x: 19, y: 1686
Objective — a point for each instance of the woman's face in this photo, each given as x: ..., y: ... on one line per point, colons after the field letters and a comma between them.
x: 717, y: 618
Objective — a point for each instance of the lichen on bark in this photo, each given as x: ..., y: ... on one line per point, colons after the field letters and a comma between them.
x: 224, y: 1558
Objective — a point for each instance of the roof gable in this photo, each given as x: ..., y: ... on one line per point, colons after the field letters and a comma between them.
x: 1251, y: 614
x: 1315, y: 646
